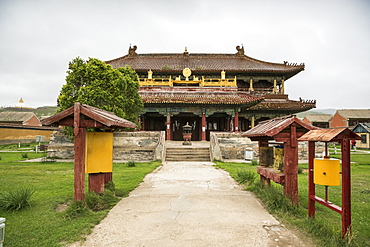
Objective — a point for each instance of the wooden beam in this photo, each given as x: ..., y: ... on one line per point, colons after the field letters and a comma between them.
x: 86, y: 123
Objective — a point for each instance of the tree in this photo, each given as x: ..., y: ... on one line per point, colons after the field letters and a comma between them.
x: 96, y: 83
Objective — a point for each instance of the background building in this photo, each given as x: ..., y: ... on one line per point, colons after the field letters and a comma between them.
x: 350, y: 118
x: 318, y: 120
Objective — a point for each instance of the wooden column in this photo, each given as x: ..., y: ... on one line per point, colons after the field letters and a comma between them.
x: 346, y: 186
x: 168, y: 127
x: 291, y: 166
x: 236, y: 122
x: 79, y: 155
x: 108, y: 177
x: 96, y: 182
x: 282, y: 90
x: 204, y: 123
x: 311, y: 185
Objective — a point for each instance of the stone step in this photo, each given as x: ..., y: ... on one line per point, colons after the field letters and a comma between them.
x: 187, y: 154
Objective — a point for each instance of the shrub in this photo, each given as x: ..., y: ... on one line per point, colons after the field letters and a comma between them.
x: 25, y: 156
x: 110, y: 186
x: 75, y: 209
x: 254, y: 163
x: 131, y: 164
x: 245, y: 176
x: 16, y: 199
x: 100, y: 201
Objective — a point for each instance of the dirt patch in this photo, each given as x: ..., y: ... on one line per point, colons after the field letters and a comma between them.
x: 281, y: 237
x: 62, y: 207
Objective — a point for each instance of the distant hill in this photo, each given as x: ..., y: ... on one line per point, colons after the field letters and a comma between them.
x: 316, y: 112
x: 39, y: 112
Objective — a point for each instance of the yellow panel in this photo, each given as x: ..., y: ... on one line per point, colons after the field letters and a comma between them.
x: 279, y: 159
x: 326, y: 172
x: 99, y: 152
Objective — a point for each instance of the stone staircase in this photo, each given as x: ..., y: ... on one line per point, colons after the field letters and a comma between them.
x: 187, y: 153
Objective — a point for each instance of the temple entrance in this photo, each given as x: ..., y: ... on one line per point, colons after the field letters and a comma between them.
x: 244, y: 124
x: 154, y: 121
x: 218, y: 121
x: 180, y: 120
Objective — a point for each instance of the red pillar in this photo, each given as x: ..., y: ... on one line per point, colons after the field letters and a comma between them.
x: 236, y: 122
x: 79, y: 155
x: 96, y: 182
x: 346, y: 186
x: 168, y: 127
x: 311, y: 185
x: 291, y: 166
x: 204, y: 122
x: 108, y: 177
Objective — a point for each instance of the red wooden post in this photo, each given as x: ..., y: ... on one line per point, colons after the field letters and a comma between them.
x: 108, y: 177
x: 203, y: 127
x: 311, y: 185
x: 236, y: 122
x: 291, y: 166
x: 168, y: 127
x: 96, y: 182
x: 79, y: 155
x: 346, y: 186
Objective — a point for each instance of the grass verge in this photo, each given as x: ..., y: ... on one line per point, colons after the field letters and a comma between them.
x: 325, y: 228
x: 40, y: 224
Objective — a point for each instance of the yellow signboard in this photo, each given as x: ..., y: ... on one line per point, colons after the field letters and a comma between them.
x: 326, y: 172
x: 99, y: 152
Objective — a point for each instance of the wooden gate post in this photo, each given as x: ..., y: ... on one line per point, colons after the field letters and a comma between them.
x: 79, y: 155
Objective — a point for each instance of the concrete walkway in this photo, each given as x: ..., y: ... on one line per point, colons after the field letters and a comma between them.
x: 189, y: 204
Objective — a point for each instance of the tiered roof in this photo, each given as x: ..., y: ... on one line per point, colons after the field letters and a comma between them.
x: 203, y: 63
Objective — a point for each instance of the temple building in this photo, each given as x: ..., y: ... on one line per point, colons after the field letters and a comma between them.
x: 211, y: 92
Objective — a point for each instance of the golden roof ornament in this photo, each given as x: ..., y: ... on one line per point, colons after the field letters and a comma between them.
x: 186, y: 72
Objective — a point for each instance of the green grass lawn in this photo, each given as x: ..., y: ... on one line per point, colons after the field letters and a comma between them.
x: 41, y: 225
x: 325, y: 228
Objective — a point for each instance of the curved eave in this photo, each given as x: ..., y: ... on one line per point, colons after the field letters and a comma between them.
x: 203, y: 63
x: 197, y: 99
x: 289, y: 105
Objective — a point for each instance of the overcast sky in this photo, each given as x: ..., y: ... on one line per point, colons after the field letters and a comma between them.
x: 332, y: 37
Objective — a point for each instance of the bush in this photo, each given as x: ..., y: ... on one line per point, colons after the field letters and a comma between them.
x: 75, y: 209
x: 16, y: 199
x: 100, y: 201
x: 254, y: 163
x: 25, y: 156
x: 131, y: 164
x: 110, y: 186
x: 245, y: 176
